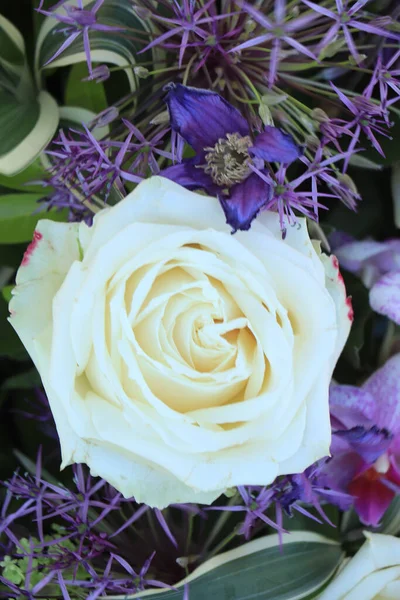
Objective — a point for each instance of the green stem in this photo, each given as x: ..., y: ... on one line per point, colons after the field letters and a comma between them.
x: 222, y: 544
x: 224, y: 516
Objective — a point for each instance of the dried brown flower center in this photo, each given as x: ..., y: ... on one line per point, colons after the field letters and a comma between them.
x: 228, y: 161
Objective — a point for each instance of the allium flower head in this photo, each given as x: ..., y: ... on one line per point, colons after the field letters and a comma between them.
x: 78, y: 21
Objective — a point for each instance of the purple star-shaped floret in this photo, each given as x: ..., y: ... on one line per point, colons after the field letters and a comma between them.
x: 78, y: 21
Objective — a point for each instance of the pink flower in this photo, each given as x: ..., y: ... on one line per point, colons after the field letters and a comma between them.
x: 366, y: 441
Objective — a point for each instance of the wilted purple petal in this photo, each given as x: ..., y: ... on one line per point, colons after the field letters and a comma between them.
x: 351, y: 406
x: 202, y: 117
x: 274, y: 145
x: 188, y: 175
x: 384, y: 296
x: 245, y: 201
x: 384, y: 385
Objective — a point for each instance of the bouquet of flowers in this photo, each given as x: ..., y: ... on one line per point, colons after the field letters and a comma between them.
x: 200, y: 392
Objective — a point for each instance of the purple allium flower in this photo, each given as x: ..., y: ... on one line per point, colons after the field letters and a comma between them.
x: 387, y: 79
x: 84, y: 167
x: 346, y: 18
x: 187, y: 20
x: 309, y: 488
x: 99, y: 74
x: 225, y: 152
x: 368, y: 118
x: 78, y: 21
x: 61, y: 197
x: 366, y: 441
x: 280, y: 30
x: 90, y: 546
x: 256, y: 500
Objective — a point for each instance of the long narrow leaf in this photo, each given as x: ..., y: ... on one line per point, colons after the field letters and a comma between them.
x: 260, y: 570
x: 117, y: 48
x: 29, y: 127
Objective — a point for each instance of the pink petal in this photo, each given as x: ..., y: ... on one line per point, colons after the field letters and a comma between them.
x: 384, y: 296
x: 384, y: 386
x: 372, y: 499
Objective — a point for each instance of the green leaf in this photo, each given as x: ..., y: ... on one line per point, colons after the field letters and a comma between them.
x: 362, y: 312
x: 395, y: 185
x: 85, y: 94
x: 390, y: 146
x: 106, y: 46
x: 6, y: 292
x: 10, y: 344
x: 30, y: 466
x: 12, y: 47
x: 260, y: 569
x: 19, y: 215
x: 390, y: 523
x: 11, y: 255
x: 22, y: 381
x: 21, y: 181
x: 26, y: 129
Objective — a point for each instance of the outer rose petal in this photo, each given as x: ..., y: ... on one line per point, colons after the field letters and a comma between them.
x: 107, y: 411
x: 44, y: 267
x: 369, y: 572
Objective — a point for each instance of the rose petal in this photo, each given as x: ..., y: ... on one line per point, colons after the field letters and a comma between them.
x: 31, y: 307
x: 373, y: 559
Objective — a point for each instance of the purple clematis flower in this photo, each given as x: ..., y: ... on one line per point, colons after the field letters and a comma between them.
x: 366, y: 442
x: 227, y: 155
x: 378, y: 265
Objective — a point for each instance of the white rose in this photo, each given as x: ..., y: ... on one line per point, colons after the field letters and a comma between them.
x: 180, y: 360
x: 372, y: 574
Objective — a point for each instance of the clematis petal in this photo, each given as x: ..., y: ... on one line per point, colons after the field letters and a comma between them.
x: 245, y: 201
x: 384, y: 385
x: 191, y: 177
x: 384, y: 296
x: 202, y: 117
x: 274, y: 145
